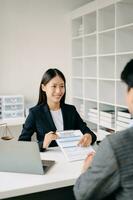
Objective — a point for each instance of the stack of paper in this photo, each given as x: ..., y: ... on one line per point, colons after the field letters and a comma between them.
x: 107, y: 119
x: 68, y: 142
x: 123, y: 119
x: 93, y: 115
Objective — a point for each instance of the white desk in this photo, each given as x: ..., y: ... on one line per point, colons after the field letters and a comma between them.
x: 62, y: 174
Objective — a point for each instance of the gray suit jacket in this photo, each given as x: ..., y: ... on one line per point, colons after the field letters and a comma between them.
x: 111, y: 173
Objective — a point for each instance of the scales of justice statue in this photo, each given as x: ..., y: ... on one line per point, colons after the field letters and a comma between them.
x: 5, y: 132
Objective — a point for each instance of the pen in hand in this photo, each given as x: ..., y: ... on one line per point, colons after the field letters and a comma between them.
x: 49, y: 137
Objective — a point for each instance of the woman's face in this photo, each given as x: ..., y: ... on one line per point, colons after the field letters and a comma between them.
x: 129, y: 98
x: 54, y: 89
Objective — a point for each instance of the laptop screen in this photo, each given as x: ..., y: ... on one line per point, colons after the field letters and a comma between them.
x: 22, y: 157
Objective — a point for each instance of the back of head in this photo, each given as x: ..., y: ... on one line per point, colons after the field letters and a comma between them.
x: 127, y: 74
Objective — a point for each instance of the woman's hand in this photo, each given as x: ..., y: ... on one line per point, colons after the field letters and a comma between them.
x: 86, y: 140
x: 49, y: 137
x: 87, y: 162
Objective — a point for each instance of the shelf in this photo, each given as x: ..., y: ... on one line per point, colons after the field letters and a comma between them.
x: 107, y: 67
x: 121, y: 95
x: 91, y: 105
x: 77, y: 27
x: 77, y: 67
x: 77, y: 47
x: 90, y: 23
x: 106, y: 18
x: 124, y: 39
x: 99, y: 54
x: 90, y: 85
x: 107, y: 91
x: 124, y: 12
x: 77, y: 83
x: 90, y: 67
x: 90, y: 45
x: 79, y: 105
x: 107, y: 42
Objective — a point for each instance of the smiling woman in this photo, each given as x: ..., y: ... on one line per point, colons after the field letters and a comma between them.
x: 51, y: 114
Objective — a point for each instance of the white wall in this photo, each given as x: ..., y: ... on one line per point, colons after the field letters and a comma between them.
x: 33, y: 37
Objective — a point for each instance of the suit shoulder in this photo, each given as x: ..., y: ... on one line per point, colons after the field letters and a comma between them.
x: 116, y: 140
x: 36, y: 108
x: 122, y: 134
x: 69, y: 107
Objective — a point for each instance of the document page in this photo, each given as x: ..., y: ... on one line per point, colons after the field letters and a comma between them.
x: 68, y: 141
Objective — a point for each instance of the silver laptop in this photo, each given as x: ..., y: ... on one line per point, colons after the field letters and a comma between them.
x: 22, y: 157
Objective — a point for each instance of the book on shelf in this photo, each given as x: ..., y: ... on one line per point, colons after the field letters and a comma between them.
x: 108, y: 119
x: 93, y: 110
x: 107, y: 113
x: 107, y: 124
x: 93, y: 119
x: 124, y: 119
x: 122, y: 124
x: 124, y: 113
x: 92, y: 114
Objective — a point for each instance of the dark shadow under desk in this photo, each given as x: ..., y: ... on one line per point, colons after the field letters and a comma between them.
x: 65, y: 193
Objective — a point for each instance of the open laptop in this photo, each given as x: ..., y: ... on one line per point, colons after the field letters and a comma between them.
x: 22, y: 157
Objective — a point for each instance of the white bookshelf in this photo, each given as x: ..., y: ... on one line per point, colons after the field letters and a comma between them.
x: 102, y: 43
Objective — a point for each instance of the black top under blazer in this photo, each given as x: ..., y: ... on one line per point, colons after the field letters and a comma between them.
x: 40, y: 121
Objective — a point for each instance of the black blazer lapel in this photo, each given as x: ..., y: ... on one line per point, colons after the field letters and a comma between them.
x: 49, y: 118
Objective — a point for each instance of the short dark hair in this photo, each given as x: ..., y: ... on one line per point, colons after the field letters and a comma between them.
x: 127, y: 74
x: 47, y: 76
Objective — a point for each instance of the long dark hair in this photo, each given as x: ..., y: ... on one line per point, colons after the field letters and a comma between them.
x: 47, y: 76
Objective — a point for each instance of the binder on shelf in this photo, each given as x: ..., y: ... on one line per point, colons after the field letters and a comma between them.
x: 93, y: 110
x: 122, y: 124
x: 107, y: 113
x: 107, y: 124
x: 108, y: 119
x: 93, y: 115
x: 93, y: 120
x: 124, y: 113
x: 124, y: 119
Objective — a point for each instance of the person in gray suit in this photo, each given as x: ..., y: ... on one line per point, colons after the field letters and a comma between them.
x: 109, y: 173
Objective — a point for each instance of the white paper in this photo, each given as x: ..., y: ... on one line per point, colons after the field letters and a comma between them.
x: 68, y: 142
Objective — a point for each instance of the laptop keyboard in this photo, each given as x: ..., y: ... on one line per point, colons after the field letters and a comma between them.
x: 47, y: 164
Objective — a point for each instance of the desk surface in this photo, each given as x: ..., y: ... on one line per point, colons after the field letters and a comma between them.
x: 62, y: 174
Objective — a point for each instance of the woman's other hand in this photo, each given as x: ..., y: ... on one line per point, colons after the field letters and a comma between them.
x: 49, y: 137
x: 86, y: 140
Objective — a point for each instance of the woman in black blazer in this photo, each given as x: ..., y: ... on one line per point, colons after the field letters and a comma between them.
x: 52, y: 114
